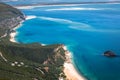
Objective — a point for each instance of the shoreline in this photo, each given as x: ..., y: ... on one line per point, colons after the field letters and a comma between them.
x: 69, y: 68
x: 14, y: 33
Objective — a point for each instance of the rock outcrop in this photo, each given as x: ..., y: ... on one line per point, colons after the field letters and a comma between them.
x: 109, y: 54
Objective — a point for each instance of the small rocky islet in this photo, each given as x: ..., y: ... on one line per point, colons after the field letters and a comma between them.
x: 109, y: 54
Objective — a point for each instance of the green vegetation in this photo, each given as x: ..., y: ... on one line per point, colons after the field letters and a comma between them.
x: 7, y: 12
x: 33, y: 57
x: 26, y: 61
x: 9, y: 18
x: 38, y: 62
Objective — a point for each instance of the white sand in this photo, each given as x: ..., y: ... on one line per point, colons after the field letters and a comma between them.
x: 13, y: 34
x: 43, y: 44
x: 12, y: 37
x: 69, y: 69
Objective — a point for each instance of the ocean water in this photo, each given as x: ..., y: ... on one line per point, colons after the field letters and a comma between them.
x: 19, y: 2
x: 87, y: 30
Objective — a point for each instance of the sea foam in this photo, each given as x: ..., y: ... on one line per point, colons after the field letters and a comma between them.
x: 72, y: 24
x: 36, y: 6
x: 78, y: 25
x: 30, y: 17
x: 75, y: 9
x: 25, y: 7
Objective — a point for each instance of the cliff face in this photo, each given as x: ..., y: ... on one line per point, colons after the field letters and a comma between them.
x: 9, y: 18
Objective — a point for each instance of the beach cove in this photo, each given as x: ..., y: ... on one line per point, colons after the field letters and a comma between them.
x: 82, y: 33
x: 69, y: 69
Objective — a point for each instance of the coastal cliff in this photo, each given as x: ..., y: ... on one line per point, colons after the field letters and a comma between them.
x: 9, y: 18
x: 26, y: 61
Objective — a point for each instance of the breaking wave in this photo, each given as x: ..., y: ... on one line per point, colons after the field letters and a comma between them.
x: 30, y: 17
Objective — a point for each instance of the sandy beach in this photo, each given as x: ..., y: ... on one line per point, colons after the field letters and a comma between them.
x: 14, y: 33
x: 69, y: 69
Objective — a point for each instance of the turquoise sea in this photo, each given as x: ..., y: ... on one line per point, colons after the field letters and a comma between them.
x: 87, y: 30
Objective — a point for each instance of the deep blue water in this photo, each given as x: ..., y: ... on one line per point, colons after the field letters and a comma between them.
x: 87, y: 30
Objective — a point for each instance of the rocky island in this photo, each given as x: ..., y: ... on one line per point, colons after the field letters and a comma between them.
x: 109, y: 54
x: 26, y: 61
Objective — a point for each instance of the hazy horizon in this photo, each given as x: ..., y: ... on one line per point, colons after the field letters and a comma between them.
x: 27, y: 1
x: 19, y: 2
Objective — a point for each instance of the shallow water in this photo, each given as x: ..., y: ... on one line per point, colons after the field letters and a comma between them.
x: 87, y: 30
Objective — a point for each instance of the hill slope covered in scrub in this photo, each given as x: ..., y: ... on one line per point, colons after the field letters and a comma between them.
x: 26, y: 61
